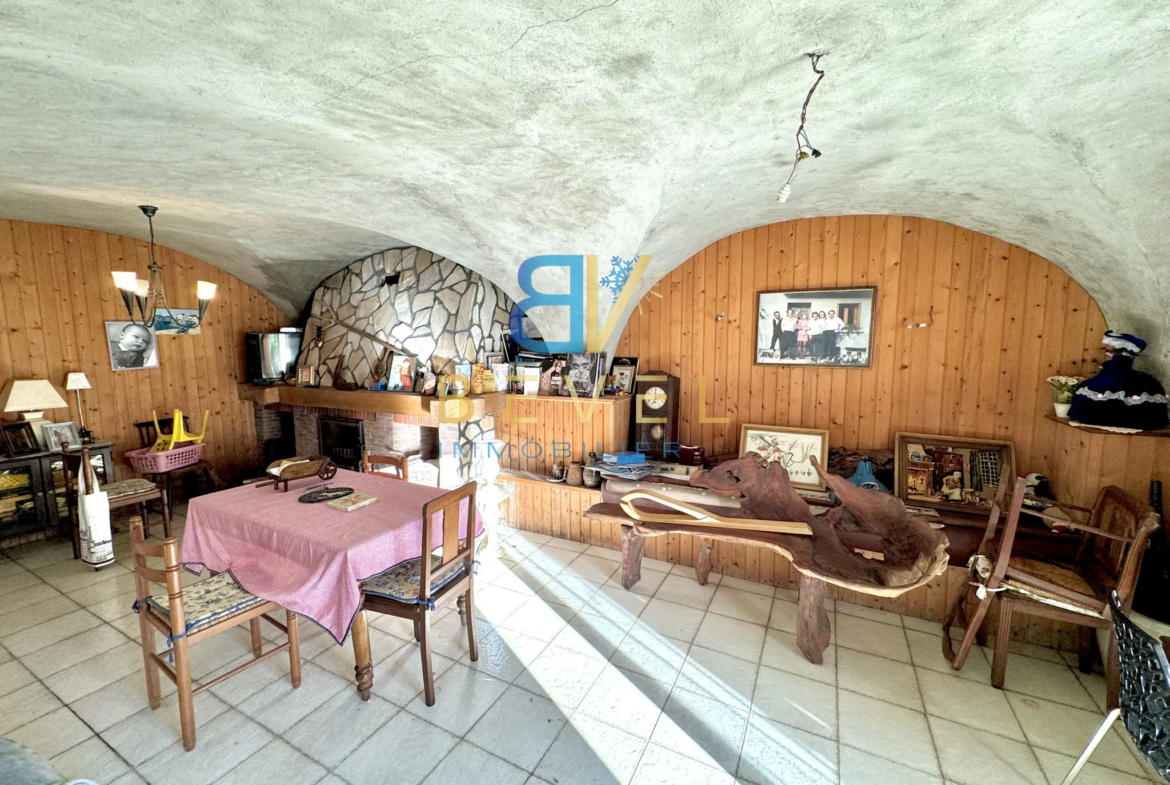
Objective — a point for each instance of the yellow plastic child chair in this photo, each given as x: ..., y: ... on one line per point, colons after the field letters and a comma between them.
x: 179, y: 434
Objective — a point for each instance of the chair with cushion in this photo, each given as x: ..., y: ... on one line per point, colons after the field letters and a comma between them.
x: 414, y: 588
x: 188, y: 616
x: 1144, y: 694
x: 396, y: 460
x: 124, y: 493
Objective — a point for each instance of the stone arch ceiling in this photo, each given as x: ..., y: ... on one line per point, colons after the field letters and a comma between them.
x: 284, y: 140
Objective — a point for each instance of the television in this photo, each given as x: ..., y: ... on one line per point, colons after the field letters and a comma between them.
x: 272, y: 357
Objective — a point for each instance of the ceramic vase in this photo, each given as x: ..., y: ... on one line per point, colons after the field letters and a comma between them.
x: 1061, y: 410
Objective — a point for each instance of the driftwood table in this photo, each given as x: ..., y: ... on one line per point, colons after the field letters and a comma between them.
x: 892, y: 553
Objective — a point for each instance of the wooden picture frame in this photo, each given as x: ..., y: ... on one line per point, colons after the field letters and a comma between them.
x: 307, y: 376
x: 925, y: 468
x: 804, y: 343
x: 795, y: 454
x: 20, y: 439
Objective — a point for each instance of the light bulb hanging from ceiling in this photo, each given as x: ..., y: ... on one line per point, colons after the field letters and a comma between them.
x: 149, y: 294
x: 804, y: 148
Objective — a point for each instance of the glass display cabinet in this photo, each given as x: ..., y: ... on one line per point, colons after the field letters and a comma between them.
x: 32, y: 491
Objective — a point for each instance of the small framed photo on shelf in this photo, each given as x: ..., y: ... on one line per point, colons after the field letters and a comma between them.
x: 57, y: 433
x: 585, y: 372
x: 307, y: 376
x: 793, y: 447
x: 950, y: 472
x: 624, y: 371
x: 831, y: 328
x: 400, y: 376
x: 20, y: 439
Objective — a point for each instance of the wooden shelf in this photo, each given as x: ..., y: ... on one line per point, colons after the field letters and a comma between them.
x: 403, y: 403
x: 1162, y: 434
x: 514, y: 475
x: 581, y: 399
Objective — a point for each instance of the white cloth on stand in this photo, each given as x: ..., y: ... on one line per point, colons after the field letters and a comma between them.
x: 93, y: 519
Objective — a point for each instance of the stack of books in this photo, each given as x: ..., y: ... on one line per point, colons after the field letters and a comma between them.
x: 625, y: 465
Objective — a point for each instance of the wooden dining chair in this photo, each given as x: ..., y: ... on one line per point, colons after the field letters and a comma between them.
x: 124, y: 493
x: 188, y: 616
x: 393, y: 459
x: 416, y: 587
x: 986, y: 586
x: 1108, y: 559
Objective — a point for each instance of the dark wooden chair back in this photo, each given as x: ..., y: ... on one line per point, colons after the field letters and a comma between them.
x: 996, y: 512
x: 147, y: 435
x: 396, y: 460
x: 1111, y: 551
x: 457, y: 545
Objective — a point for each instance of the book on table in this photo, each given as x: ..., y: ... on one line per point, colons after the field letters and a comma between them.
x: 355, y: 501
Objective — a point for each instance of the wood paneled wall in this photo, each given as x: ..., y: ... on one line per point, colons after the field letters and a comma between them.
x: 1002, y: 319
x: 559, y: 425
x: 56, y: 294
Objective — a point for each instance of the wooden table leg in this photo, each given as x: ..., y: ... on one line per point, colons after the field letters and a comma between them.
x: 812, y: 623
x: 363, y: 664
x: 632, y: 546
x: 703, y: 565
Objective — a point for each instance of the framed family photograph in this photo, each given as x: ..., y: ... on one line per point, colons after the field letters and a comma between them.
x: 132, y: 346
x: 820, y: 327
x: 793, y: 447
x: 624, y: 371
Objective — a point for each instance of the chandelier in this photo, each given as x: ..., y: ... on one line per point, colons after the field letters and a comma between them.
x: 149, y: 294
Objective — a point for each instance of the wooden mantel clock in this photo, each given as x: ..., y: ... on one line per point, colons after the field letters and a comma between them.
x: 658, y: 394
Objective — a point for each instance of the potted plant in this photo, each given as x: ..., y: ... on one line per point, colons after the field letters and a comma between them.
x: 1063, y: 390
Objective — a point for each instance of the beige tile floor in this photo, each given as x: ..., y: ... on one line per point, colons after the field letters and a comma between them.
x: 578, y: 681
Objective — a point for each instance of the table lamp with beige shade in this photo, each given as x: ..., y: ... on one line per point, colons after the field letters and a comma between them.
x: 31, y: 397
x: 77, y: 382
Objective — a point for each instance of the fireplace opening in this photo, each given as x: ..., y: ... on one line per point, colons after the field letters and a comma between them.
x: 342, y: 440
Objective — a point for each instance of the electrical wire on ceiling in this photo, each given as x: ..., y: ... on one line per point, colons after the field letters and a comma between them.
x: 804, y: 148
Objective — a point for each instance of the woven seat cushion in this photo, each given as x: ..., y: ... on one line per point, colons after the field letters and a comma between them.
x: 117, y: 490
x: 1057, y: 575
x: 401, y: 581
x: 209, y: 601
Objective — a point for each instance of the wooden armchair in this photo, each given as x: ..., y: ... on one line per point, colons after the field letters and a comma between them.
x: 414, y: 588
x: 1109, y: 559
x: 124, y: 493
x: 396, y: 460
x: 188, y: 616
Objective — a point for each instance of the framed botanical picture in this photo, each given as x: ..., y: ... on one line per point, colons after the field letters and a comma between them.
x: 624, y: 370
x: 177, y: 321
x: 57, y: 433
x: 949, y: 472
x: 400, y: 376
x: 821, y: 327
x: 793, y: 447
x: 20, y: 439
x: 132, y: 346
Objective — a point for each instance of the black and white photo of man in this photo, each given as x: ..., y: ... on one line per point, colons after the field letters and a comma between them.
x: 132, y: 346
x: 584, y: 370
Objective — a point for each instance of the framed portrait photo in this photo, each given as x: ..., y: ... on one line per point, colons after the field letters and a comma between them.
x: 832, y: 328
x: 57, y: 433
x: 132, y: 346
x: 794, y: 448
x: 20, y: 438
x: 624, y: 371
x: 400, y: 377
x: 585, y: 370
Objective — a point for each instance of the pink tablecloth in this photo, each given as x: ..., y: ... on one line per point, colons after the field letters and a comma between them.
x: 309, y: 557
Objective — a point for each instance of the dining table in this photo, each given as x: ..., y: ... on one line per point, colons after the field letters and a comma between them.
x: 310, y: 557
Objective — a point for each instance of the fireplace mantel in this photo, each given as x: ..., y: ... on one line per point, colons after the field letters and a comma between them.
x: 397, y: 403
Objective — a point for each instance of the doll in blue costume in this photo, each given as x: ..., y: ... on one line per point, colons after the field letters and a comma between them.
x: 1120, y: 397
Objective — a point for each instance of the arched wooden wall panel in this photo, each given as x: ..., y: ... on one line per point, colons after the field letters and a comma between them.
x: 56, y: 295
x: 1003, y: 319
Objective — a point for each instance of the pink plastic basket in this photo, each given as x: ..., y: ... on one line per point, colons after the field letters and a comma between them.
x: 146, y: 462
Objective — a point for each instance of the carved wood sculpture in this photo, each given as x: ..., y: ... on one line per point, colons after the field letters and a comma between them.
x: 912, y: 553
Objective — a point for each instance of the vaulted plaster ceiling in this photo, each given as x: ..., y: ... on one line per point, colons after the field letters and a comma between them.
x: 283, y: 140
